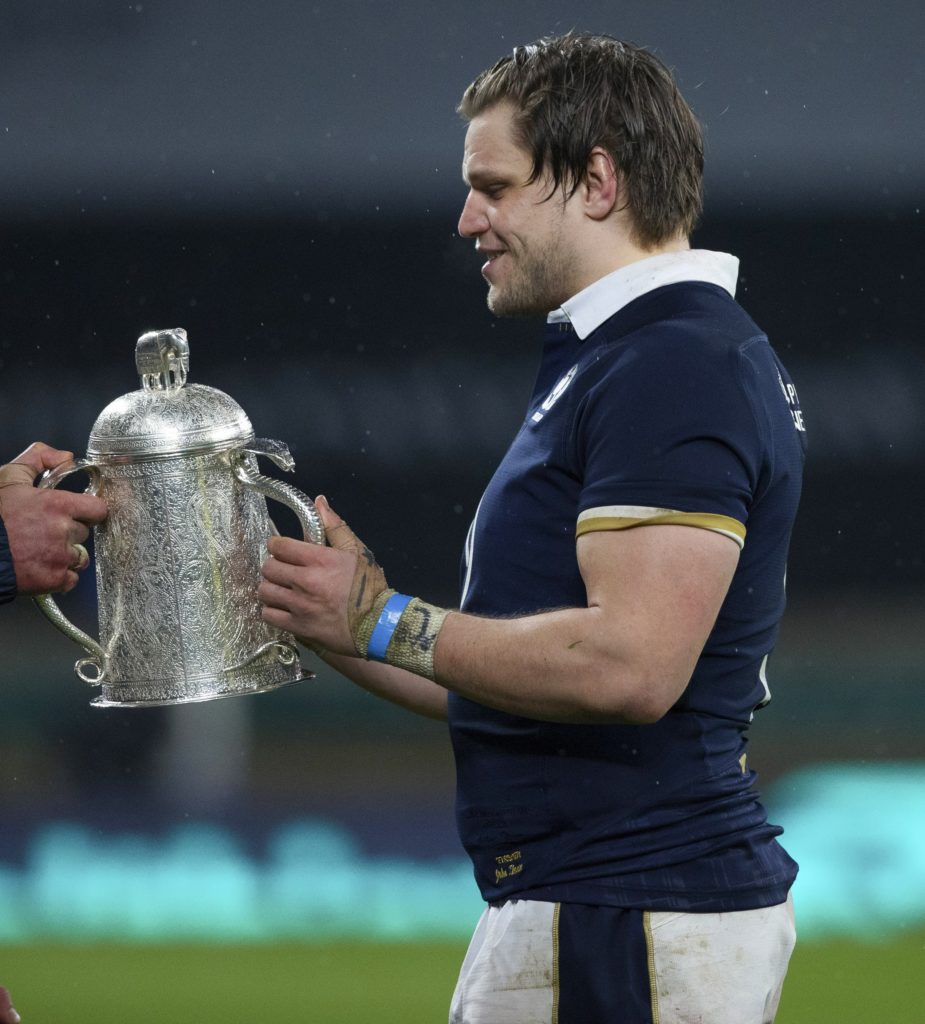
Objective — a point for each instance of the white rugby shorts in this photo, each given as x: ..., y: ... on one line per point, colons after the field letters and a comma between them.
x: 531, y: 962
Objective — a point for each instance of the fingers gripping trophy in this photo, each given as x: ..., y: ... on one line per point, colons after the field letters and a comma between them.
x: 178, y: 558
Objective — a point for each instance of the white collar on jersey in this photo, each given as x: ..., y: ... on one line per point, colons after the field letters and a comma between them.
x: 598, y: 302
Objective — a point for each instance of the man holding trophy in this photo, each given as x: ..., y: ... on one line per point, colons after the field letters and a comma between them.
x: 623, y: 580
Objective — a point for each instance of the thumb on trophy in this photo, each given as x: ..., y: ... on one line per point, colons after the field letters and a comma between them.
x: 29, y: 464
x: 369, y: 584
x: 338, y: 533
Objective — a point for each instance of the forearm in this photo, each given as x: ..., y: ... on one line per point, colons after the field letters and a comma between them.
x: 414, y: 693
x: 570, y: 665
x: 553, y: 666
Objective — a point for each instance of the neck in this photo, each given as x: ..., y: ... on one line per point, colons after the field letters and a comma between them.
x: 627, y: 252
x: 606, y: 253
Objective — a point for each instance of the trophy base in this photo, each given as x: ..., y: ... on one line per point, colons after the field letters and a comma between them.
x: 166, y: 698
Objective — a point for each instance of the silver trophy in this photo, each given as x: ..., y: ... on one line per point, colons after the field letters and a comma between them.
x: 178, y: 559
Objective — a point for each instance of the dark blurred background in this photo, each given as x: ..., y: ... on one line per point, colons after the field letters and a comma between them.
x: 283, y: 181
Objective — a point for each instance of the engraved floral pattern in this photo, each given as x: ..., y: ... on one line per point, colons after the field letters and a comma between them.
x: 178, y: 565
x: 155, y: 423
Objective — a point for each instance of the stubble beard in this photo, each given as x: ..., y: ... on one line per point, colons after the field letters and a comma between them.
x: 537, y: 285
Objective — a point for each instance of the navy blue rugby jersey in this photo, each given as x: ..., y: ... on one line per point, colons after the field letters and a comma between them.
x: 674, y: 409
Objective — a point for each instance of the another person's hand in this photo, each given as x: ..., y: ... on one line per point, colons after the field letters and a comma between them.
x: 45, y: 528
x: 322, y: 594
x: 7, y: 1014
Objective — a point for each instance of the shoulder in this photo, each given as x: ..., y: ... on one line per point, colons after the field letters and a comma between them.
x: 674, y: 372
x: 677, y: 338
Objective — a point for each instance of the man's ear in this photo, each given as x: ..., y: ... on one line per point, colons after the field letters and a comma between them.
x: 601, y: 186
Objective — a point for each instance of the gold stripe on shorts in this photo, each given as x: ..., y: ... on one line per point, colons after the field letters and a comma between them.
x: 650, y: 957
x: 555, y: 966
x: 625, y: 517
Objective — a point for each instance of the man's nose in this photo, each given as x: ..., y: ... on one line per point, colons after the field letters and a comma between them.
x: 472, y: 220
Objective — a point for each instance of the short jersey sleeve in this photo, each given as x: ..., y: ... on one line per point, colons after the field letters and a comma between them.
x: 665, y: 433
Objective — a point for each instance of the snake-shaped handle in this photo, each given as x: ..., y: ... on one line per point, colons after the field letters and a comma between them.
x: 278, y: 490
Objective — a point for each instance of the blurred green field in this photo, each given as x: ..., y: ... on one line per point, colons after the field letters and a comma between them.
x: 839, y: 982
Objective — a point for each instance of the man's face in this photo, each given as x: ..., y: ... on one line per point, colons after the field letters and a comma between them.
x: 529, y: 240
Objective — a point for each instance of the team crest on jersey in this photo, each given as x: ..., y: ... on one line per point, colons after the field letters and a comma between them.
x: 554, y: 395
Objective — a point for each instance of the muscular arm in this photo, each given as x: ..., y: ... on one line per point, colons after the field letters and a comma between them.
x: 653, y: 595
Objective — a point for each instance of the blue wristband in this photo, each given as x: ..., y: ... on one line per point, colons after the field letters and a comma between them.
x: 385, y: 627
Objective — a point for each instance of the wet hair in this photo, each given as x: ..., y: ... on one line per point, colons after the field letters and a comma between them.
x: 577, y: 91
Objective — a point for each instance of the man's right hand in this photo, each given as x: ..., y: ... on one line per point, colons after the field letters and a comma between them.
x: 45, y: 528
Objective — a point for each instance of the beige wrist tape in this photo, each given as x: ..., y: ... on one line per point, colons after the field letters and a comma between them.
x: 401, y: 631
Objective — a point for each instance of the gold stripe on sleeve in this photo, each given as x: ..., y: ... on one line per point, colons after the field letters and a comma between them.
x: 625, y: 517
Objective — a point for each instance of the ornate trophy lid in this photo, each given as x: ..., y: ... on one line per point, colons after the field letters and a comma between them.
x: 167, y: 417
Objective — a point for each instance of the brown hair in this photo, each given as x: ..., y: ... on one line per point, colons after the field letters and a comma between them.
x: 578, y: 91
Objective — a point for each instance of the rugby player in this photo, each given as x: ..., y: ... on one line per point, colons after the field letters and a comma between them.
x: 623, y: 578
